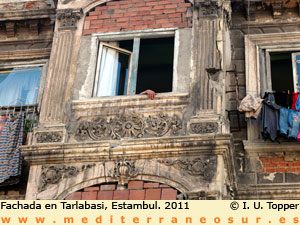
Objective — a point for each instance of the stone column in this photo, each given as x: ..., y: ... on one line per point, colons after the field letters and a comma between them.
x: 59, y: 80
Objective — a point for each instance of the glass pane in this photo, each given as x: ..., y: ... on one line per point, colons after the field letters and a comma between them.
x: 113, y: 72
x: 298, y: 57
x: 20, y: 86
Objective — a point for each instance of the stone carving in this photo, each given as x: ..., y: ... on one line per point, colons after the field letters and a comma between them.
x: 202, y: 195
x: 132, y: 126
x: 53, y: 174
x: 208, y: 8
x: 68, y: 17
x: 195, y: 167
x: 204, y: 128
x: 123, y: 171
x: 49, y: 137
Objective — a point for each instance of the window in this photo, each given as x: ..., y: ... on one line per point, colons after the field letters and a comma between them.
x: 19, y: 86
x: 131, y: 66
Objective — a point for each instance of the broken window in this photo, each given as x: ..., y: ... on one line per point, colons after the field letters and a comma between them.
x: 19, y: 86
x: 132, y: 66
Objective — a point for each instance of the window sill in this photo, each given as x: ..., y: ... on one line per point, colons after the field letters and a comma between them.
x: 141, y: 103
x: 260, y: 146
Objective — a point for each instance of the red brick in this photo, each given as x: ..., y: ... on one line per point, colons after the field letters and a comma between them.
x: 136, y: 184
x: 157, y: 7
x: 91, y: 189
x: 95, y: 13
x: 164, y: 2
x: 280, y: 170
x: 156, y: 12
x: 113, y: 3
x: 171, y: 6
x: 162, y: 21
x: 117, y: 15
x: 105, y: 16
x: 142, y: 27
x: 171, y: 15
x: 95, y: 21
x: 91, y: 195
x: 165, y: 25
x: 153, y: 194
x: 181, y: 9
x: 121, y: 195
x: 105, y: 195
x: 144, y: 9
x: 187, y: 5
x: 102, y: 30
x: 101, y: 8
x: 137, y: 195
x: 164, y: 186
x: 151, y: 3
x: 108, y: 187
x: 168, y: 194
x: 74, y: 196
x: 169, y: 10
x: 91, y: 17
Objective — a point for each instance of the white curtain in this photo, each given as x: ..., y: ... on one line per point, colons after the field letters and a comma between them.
x: 20, y: 87
x: 107, y: 85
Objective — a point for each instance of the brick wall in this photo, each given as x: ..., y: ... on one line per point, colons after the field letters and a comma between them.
x: 137, y: 190
x: 279, y: 165
x: 127, y: 15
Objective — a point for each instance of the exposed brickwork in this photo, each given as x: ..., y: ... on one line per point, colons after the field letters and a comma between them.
x: 136, y: 190
x: 280, y: 165
x: 128, y: 15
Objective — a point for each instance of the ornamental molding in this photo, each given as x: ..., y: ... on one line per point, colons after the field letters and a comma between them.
x: 128, y: 126
x: 49, y: 137
x: 123, y: 171
x: 204, y: 128
x: 54, y: 174
x: 203, y: 167
x: 208, y: 8
x: 68, y: 17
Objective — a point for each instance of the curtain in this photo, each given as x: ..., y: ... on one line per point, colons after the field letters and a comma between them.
x: 108, y: 79
x: 20, y: 87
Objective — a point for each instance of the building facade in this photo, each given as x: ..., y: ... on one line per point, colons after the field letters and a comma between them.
x: 96, y: 137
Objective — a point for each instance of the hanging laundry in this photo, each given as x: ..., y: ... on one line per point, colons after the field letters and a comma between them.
x: 294, y: 99
x: 294, y: 124
x: 2, y: 122
x: 251, y: 106
x: 270, y: 117
x: 283, y: 120
x: 283, y: 99
x: 10, y: 155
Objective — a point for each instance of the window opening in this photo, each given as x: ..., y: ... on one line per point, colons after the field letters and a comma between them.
x: 282, y: 71
x: 19, y: 86
x: 133, y: 66
x: 155, y: 67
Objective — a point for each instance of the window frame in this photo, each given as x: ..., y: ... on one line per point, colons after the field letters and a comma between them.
x: 258, y: 66
x: 34, y: 63
x: 136, y: 36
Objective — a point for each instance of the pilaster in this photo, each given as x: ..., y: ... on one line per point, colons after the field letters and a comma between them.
x: 59, y: 78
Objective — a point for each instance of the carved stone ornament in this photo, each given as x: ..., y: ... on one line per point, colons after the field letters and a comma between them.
x: 195, y: 167
x: 48, y: 137
x: 68, y: 17
x: 53, y: 174
x: 132, y: 126
x: 123, y: 171
x: 202, y: 195
x: 204, y: 128
x: 208, y: 8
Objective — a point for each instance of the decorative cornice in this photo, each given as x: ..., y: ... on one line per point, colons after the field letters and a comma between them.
x: 132, y: 126
x: 203, y: 167
x: 68, y: 17
x: 28, y: 54
x: 54, y: 174
x: 207, y: 8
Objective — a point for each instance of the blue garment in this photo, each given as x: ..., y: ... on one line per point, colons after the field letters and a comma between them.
x: 283, y: 121
x: 298, y: 103
x: 294, y: 123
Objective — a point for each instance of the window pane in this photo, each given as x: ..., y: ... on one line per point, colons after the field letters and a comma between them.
x: 155, y: 69
x: 20, y: 86
x: 113, y: 72
x: 298, y: 57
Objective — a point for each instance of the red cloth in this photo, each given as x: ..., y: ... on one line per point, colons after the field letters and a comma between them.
x: 2, y: 122
x: 294, y: 99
